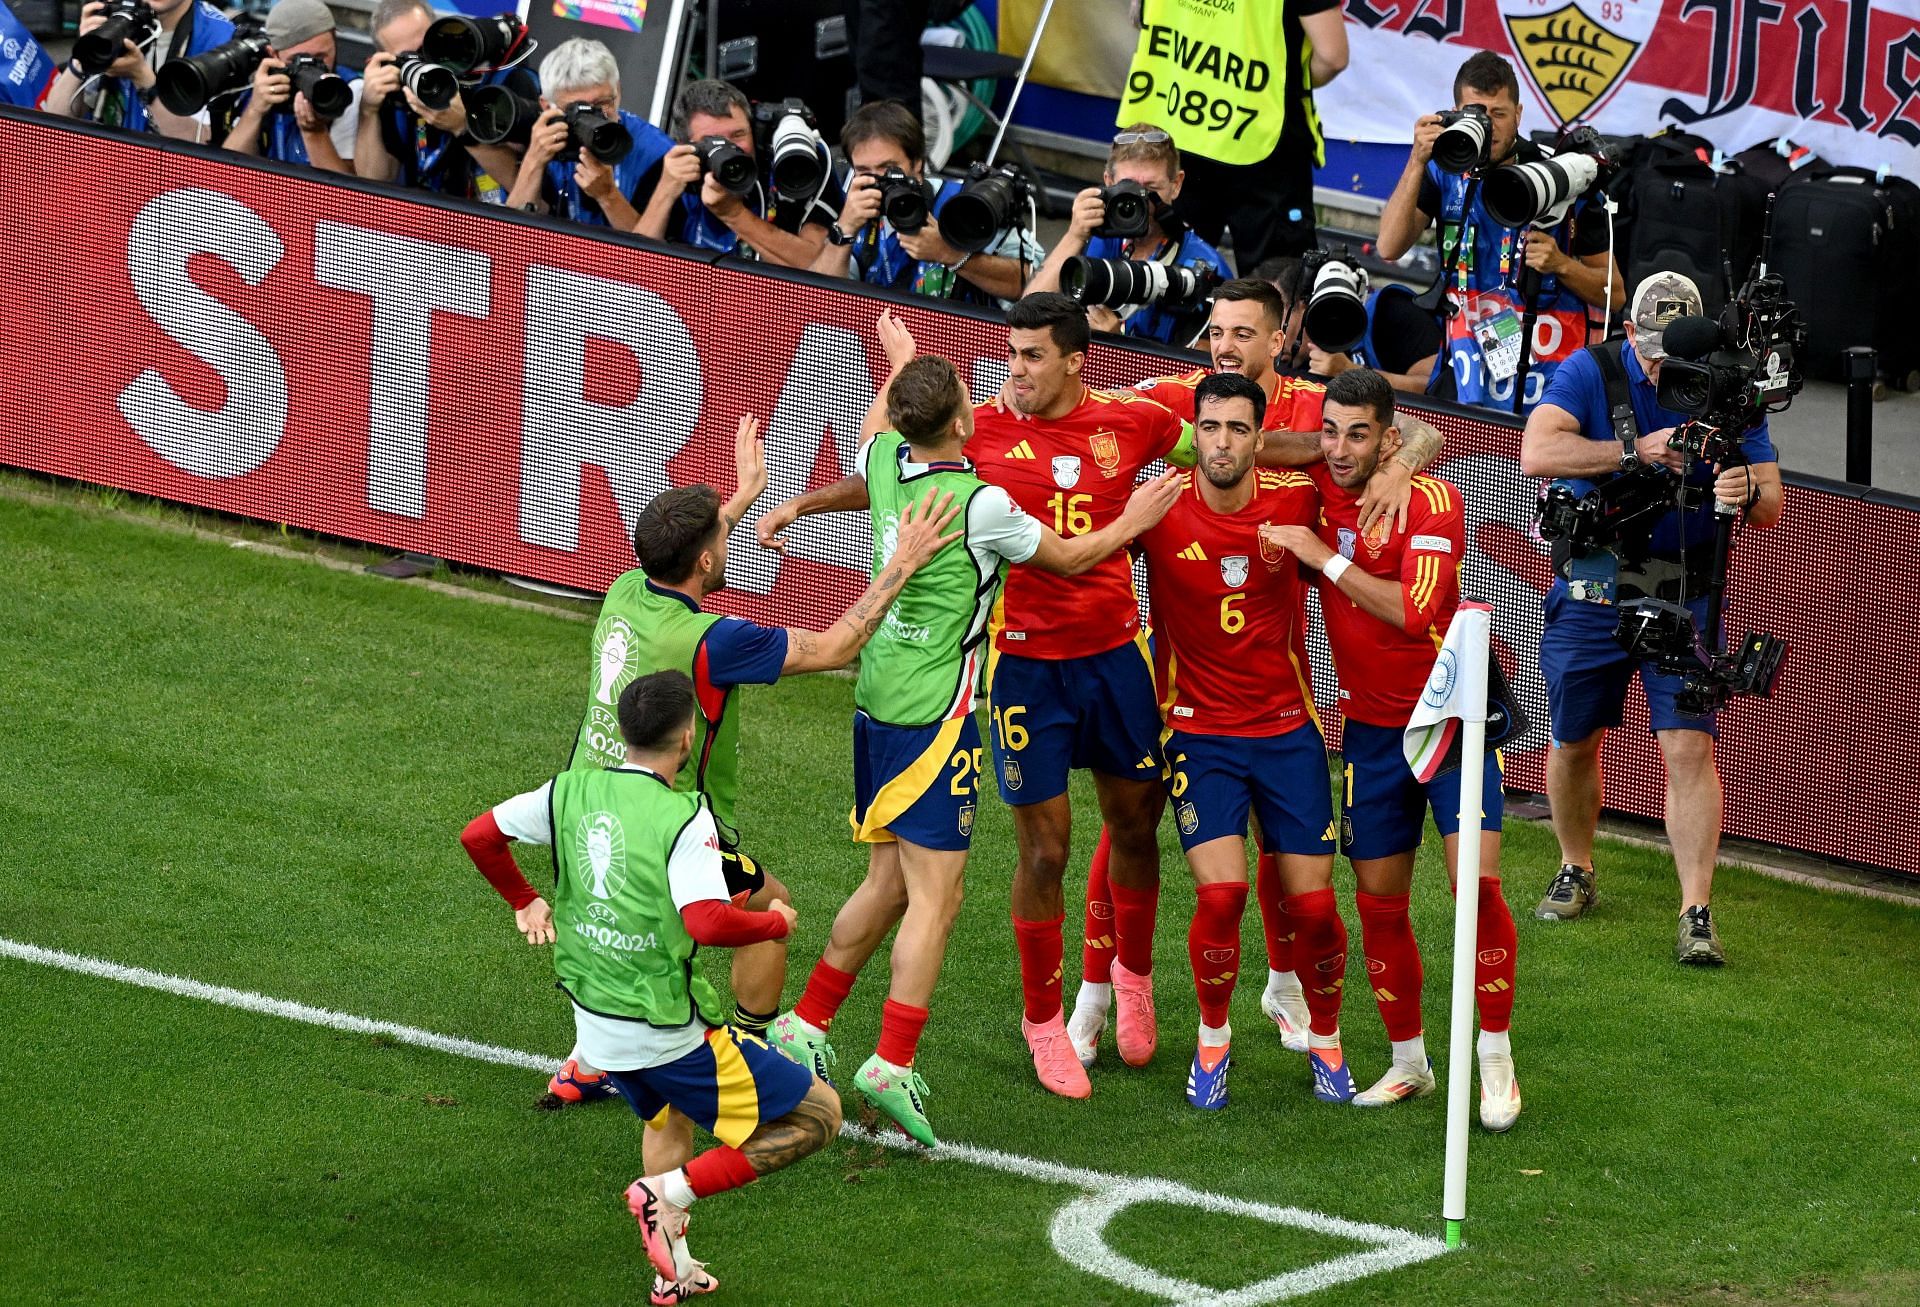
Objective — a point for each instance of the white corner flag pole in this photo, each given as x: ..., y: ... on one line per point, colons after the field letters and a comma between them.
x: 1466, y: 904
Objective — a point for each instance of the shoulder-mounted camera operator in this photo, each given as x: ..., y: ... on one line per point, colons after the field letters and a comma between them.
x: 1128, y: 219
x: 888, y: 232
x: 588, y: 159
x: 300, y: 108
x: 1601, y: 427
x: 720, y: 190
x: 405, y: 139
x: 134, y: 38
x: 1497, y: 274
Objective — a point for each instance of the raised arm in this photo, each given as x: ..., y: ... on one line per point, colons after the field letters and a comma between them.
x: 1148, y: 504
x: 749, y: 472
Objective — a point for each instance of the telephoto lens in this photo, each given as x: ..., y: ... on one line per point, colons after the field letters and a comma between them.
x: 1129, y: 210
x: 1465, y: 141
x: 982, y: 209
x: 326, y: 90
x: 126, y: 20
x: 903, y: 201
x: 188, y: 84
x: 794, y: 161
x: 499, y: 116
x: 728, y: 164
x: 1539, y: 192
x: 1116, y: 283
x: 464, y: 44
x: 606, y: 139
x: 1336, y: 316
x: 434, y: 85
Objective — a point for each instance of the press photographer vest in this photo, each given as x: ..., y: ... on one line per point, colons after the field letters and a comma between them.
x: 1215, y: 78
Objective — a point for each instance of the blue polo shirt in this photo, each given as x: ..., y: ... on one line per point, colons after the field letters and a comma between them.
x: 563, y: 196
x: 1150, y: 321
x: 1579, y: 389
x: 692, y: 223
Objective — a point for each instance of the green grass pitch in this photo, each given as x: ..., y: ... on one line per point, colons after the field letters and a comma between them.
x: 252, y: 771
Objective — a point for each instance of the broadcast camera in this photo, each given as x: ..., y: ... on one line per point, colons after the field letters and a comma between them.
x: 126, y: 20
x: 1116, y: 283
x: 1336, y: 316
x: 987, y: 203
x: 788, y: 135
x: 1129, y: 210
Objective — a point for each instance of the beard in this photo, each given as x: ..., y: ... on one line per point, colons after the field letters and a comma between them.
x: 1223, y: 476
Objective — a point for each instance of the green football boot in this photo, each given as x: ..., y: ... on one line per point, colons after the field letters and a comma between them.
x: 803, y: 1044
x: 898, y: 1096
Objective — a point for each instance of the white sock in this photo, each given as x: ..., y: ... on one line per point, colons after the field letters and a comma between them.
x: 1284, y: 984
x: 1216, y: 1036
x: 1093, y: 997
x: 1495, y: 1041
x: 805, y: 1024
x: 1323, y: 1041
x: 675, y: 1189
x: 899, y: 1072
x: 580, y: 1064
x: 1410, y: 1053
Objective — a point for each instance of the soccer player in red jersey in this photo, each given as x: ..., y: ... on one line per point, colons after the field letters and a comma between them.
x: 1241, y: 733
x: 1388, y: 596
x: 1068, y: 677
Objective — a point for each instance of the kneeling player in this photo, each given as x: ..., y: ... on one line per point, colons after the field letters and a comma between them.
x: 1388, y: 597
x: 916, y: 743
x: 1241, y: 732
x: 637, y: 887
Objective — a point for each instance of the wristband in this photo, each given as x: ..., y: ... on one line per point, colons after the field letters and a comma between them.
x: 1336, y: 568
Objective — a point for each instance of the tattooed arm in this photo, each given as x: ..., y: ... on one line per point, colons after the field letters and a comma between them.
x: 920, y: 537
x: 1390, y: 488
x: 808, y: 1128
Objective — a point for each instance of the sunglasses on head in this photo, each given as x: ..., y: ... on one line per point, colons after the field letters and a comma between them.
x: 1154, y: 137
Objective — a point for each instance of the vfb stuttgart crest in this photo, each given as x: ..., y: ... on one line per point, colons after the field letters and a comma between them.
x: 1066, y: 471
x: 1233, y: 570
x: 1577, y: 52
x: 1106, y: 451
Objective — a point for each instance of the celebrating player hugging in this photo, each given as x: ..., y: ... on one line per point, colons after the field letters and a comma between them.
x: 998, y: 530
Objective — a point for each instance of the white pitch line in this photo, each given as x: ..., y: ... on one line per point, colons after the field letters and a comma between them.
x: 1078, y: 1231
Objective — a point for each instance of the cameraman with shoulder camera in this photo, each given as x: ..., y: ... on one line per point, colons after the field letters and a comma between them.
x: 691, y: 206
x: 1572, y: 434
x: 888, y: 233
x: 1496, y: 275
x: 278, y: 119
x: 402, y: 139
x: 562, y: 174
x: 123, y: 93
x: 1143, y: 168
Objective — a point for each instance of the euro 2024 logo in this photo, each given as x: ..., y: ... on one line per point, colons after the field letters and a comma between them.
x: 1577, y: 52
x: 601, y: 844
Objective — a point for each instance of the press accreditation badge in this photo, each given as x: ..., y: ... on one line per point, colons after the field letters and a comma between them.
x: 1499, y: 339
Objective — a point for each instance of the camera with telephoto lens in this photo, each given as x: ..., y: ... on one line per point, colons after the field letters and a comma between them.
x: 471, y: 45
x: 796, y: 159
x: 327, y: 92
x: 1129, y: 210
x: 1465, y: 141
x: 987, y: 203
x: 606, y: 139
x: 125, y: 20
x: 188, y: 84
x: 903, y: 201
x: 1116, y: 283
x: 728, y: 164
x: 432, y: 84
x: 1540, y: 193
x: 498, y: 115
x: 1336, y: 290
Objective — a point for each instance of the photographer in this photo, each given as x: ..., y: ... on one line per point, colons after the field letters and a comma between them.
x: 401, y: 139
x: 1146, y: 157
x: 558, y: 177
x: 1495, y: 274
x: 689, y: 206
x: 1570, y: 435
x: 123, y: 96
x: 279, y: 122
x: 885, y: 147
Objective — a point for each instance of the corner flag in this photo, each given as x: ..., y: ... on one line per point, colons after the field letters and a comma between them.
x: 1466, y: 684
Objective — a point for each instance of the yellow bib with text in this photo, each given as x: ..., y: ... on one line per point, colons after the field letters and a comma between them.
x: 1213, y: 74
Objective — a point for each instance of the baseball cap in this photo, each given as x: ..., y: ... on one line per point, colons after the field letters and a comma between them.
x: 1657, y: 301
x: 292, y: 21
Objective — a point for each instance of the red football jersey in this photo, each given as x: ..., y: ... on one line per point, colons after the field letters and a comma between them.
x: 1295, y: 405
x: 1227, y: 618
x: 1075, y: 474
x: 1383, y: 667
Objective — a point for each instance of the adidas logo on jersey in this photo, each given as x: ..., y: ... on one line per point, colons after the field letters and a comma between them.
x: 1021, y: 450
x: 1193, y: 553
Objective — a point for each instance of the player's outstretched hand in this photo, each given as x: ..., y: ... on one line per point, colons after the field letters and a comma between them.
x: 1150, y: 501
x: 749, y: 459
x: 896, y: 340
x: 535, y: 921
x: 1299, y: 541
x: 1388, y: 492
x: 922, y: 530
x: 772, y: 523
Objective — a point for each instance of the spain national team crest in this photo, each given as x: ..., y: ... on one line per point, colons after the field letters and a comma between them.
x: 1010, y: 773
x: 1379, y: 533
x: 966, y: 820
x: 1189, y: 818
x: 1577, y: 52
x: 1233, y: 570
x: 1270, y: 553
x: 1066, y: 471
x: 1106, y: 451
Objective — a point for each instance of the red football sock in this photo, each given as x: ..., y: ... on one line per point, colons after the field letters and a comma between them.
x: 1322, y: 955
x: 900, y: 1027
x: 1393, y: 961
x: 718, y: 1170
x: 827, y: 988
x: 1275, y: 920
x: 1213, y: 947
x: 1041, y: 953
x: 1493, y: 963
x: 1096, y: 957
x: 1133, y: 914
